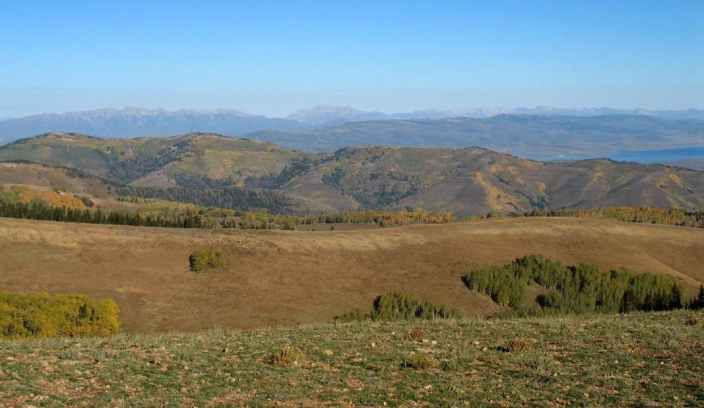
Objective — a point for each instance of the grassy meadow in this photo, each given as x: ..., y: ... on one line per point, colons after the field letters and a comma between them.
x: 638, y: 359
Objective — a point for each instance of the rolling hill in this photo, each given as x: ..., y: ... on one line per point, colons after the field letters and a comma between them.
x: 154, y: 162
x: 466, y: 181
x: 477, y: 181
x: 43, y: 177
x: 290, y: 277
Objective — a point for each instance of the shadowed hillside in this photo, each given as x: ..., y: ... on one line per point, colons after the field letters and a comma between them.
x: 279, y: 277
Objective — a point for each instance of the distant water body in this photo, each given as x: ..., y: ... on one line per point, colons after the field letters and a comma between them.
x: 656, y: 156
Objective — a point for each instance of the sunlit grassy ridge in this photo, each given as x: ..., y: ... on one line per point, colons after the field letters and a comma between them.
x: 640, y: 359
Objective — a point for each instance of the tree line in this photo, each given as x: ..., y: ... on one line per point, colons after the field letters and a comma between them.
x: 643, y: 215
x: 211, y: 217
x: 576, y: 288
x: 39, y: 210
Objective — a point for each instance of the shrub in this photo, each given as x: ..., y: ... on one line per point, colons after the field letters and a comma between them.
x: 44, y: 315
x: 514, y: 346
x: 419, y: 361
x: 205, y: 259
x: 287, y: 356
x: 397, y: 306
x: 416, y: 334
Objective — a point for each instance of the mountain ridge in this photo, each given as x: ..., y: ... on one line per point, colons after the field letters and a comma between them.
x: 465, y: 181
x: 536, y: 133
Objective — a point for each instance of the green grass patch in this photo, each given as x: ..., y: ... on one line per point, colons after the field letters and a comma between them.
x: 643, y: 359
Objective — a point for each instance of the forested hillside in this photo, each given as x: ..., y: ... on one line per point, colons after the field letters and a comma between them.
x: 218, y: 171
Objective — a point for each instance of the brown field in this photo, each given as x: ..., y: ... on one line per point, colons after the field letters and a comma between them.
x: 295, y: 277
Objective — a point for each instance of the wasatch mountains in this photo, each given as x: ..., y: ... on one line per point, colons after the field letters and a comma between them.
x: 134, y: 122
x: 531, y: 134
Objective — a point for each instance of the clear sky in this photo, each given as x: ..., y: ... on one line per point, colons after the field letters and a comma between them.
x: 273, y: 57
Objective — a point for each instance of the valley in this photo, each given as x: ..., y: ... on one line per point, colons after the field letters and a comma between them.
x: 274, y: 278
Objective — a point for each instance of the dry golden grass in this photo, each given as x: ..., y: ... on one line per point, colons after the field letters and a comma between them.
x: 297, y: 277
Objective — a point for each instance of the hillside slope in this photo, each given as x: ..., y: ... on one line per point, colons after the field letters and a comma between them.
x: 285, y: 277
x: 477, y: 181
x: 42, y: 177
x: 468, y: 181
x: 154, y: 162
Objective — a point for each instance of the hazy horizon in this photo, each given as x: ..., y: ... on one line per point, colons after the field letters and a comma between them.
x: 274, y: 59
x: 486, y: 111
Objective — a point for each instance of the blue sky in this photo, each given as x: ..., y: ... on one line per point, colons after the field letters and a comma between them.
x: 273, y: 57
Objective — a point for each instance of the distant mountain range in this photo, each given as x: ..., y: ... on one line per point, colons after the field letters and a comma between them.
x: 133, y: 122
x: 221, y: 171
x: 537, y: 133
x: 326, y: 115
x: 537, y: 137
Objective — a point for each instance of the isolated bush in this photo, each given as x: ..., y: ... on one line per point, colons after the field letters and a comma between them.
x: 514, y: 346
x: 419, y: 361
x: 205, y: 259
x: 287, y: 356
x: 44, y: 315
x: 416, y: 334
x: 397, y: 306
